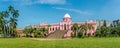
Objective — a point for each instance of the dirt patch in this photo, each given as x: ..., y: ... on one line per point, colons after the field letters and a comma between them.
x: 49, y: 39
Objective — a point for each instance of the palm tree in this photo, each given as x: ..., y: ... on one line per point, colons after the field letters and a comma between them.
x: 15, y: 14
x: 44, y: 31
x: 13, y: 18
x: 89, y: 27
x: 83, y: 28
x: 8, y: 20
x: 13, y: 24
x: 4, y: 27
x: 75, y: 28
x: 1, y: 18
x: 10, y: 9
x: 3, y: 15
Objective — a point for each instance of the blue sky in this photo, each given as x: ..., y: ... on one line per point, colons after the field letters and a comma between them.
x: 52, y: 11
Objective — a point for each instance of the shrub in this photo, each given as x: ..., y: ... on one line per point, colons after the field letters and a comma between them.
x: 73, y: 35
x: 80, y: 34
x: 38, y: 35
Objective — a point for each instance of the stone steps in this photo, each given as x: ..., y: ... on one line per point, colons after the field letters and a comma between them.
x: 57, y: 34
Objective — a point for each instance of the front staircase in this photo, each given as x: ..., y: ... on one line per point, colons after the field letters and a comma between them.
x: 57, y: 34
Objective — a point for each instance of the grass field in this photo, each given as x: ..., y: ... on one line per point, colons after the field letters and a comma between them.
x: 60, y: 43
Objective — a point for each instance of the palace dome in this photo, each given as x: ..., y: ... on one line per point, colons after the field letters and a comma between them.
x: 67, y: 16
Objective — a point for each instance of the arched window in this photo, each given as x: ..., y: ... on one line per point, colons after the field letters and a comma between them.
x: 93, y: 33
x: 64, y: 26
x: 56, y: 28
x: 53, y: 29
x: 50, y: 29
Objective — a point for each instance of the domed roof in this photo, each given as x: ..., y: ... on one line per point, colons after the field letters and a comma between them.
x: 67, y: 15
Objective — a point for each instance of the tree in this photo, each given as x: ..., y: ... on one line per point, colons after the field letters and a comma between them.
x: 98, y: 33
x: 75, y: 28
x: 3, y: 15
x: 115, y: 31
x: 8, y: 21
x: 89, y: 27
x: 13, y: 24
x: 1, y: 19
x: 25, y: 31
x: 103, y: 32
x: 15, y: 14
x: 4, y: 28
x: 44, y: 31
x: 104, y: 23
x: 38, y: 33
x: 10, y: 9
x: 28, y: 31
x: 83, y: 28
x: 13, y: 18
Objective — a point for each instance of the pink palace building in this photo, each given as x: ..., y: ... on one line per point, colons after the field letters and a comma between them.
x: 66, y: 24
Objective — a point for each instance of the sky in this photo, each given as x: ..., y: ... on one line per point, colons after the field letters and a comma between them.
x: 52, y: 11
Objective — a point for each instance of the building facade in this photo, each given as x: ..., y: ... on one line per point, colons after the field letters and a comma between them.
x: 101, y: 23
x: 115, y: 23
x: 66, y: 24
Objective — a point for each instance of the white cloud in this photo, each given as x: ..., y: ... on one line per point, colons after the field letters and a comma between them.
x: 73, y: 10
x: 52, y: 1
x: 30, y: 2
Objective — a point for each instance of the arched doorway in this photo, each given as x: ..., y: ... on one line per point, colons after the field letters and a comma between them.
x: 64, y: 26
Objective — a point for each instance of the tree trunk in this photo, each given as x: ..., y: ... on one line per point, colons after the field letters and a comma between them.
x: 76, y: 33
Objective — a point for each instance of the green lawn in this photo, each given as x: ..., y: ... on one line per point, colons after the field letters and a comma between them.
x: 65, y: 43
